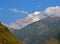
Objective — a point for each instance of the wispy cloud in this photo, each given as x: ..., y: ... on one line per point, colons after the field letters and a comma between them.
x: 38, y: 6
x: 1, y: 8
x: 35, y: 16
x: 18, y: 11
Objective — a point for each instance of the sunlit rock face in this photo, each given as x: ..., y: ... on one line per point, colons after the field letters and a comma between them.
x: 38, y: 32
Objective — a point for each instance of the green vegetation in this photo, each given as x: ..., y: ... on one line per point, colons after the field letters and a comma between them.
x: 6, y: 37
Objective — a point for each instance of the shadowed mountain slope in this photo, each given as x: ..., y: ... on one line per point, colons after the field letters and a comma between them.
x: 38, y: 32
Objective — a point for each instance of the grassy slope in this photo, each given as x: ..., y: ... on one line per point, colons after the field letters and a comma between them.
x: 6, y: 37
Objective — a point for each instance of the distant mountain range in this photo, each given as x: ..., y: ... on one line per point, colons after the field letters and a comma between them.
x: 6, y: 37
x: 20, y: 23
x: 39, y: 31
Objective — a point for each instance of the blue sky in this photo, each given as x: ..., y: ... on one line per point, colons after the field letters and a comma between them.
x: 27, y: 6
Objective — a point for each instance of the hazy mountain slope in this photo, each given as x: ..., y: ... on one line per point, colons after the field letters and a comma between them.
x: 6, y: 37
x: 30, y: 18
x: 38, y: 32
x: 51, y: 41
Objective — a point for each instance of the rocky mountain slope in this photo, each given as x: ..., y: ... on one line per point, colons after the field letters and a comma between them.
x: 38, y: 32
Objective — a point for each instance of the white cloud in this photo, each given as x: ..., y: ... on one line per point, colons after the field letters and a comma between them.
x: 55, y: 11
x: 24, y: 12
x: 35, y: 16
x: 35, y: 19
x: 18, y: 11
x: 30, y: 15
x: 37, y: 12
x: 14, y: 10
